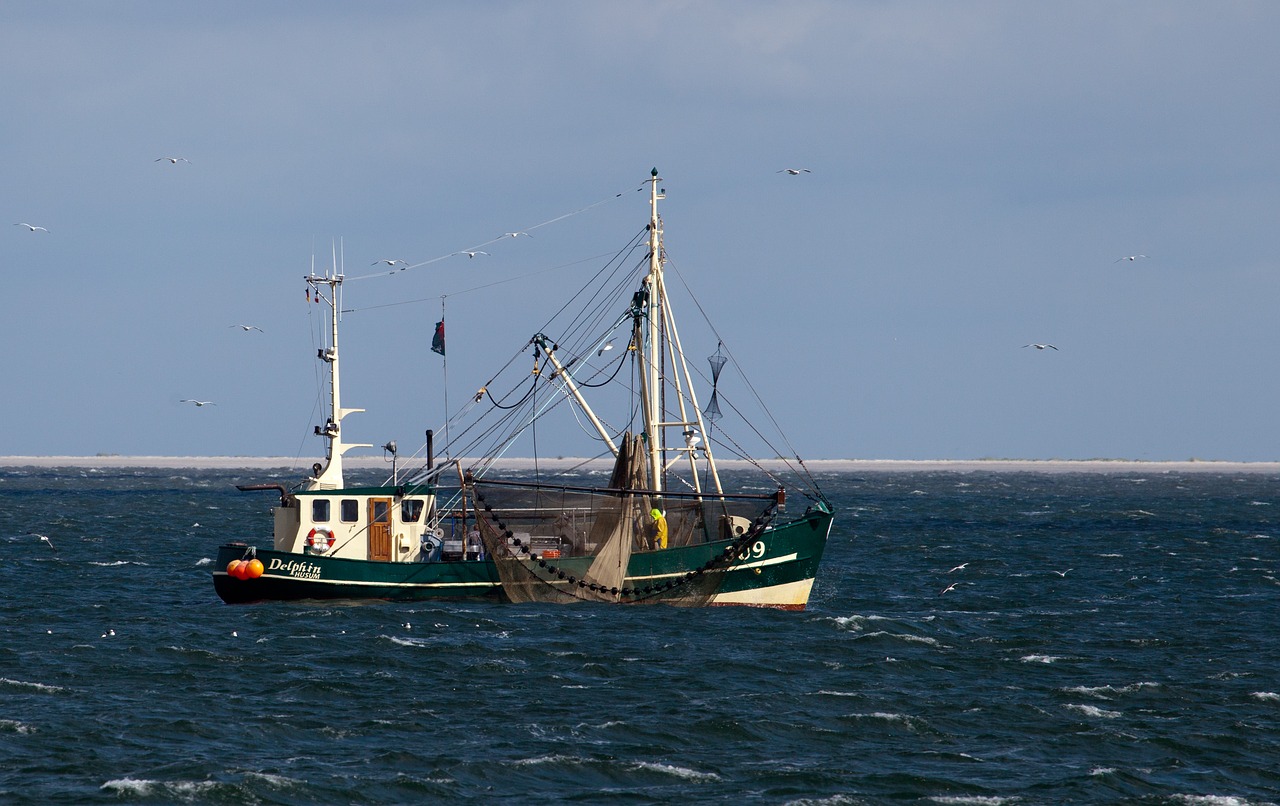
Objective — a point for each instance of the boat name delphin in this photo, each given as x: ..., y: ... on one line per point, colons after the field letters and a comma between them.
x: 295, y: 569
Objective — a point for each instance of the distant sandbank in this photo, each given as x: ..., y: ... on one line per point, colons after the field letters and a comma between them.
x: 814, y: 465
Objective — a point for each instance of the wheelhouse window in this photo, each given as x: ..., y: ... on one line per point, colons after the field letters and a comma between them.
x: 320, y: 510
x: 350, y: 510
x: 410, y: 510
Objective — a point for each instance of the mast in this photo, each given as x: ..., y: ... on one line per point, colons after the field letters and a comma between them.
x: 330, y: 477
x: 651, y: 341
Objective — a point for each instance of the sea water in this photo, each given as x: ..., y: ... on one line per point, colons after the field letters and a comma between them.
x: 1103, y: 638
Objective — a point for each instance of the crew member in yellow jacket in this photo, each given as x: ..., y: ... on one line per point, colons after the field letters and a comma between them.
x: 659, y: 529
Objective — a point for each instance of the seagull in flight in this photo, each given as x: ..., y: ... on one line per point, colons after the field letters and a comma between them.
x: 794, y: 171
x: 1063, y: 573
x: 198, y: 402
x: 247, y: 328
x: 471, y: 254
x: 516, y: 234
x: 45, y: 539
x: 388, y: 262
x: 1129, y: 258
x: 1041, y: 346
x: 608, y: 346
x: 172, y: 160
x: 31, y: 228
x: 959, y: 567
x: 949, y: 588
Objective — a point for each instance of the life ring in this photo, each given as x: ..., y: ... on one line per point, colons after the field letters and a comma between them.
x: 320, y: 540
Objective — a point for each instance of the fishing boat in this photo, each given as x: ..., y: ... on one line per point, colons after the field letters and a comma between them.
x: 661, y: 523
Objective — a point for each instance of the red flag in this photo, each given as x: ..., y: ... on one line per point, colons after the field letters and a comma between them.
x: 437, y: 341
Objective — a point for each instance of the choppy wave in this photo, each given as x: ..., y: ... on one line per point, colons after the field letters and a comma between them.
x: 1144, y: 675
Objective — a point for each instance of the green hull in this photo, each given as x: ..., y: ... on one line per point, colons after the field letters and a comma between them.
x: 774, y: 570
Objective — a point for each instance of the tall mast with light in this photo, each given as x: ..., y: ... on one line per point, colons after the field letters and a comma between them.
x: 330, y: 476
x: 651, y: 346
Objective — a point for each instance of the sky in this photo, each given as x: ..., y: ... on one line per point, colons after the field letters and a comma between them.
x: 976, y: 171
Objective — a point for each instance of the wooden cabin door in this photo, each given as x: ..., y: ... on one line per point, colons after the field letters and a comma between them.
x: 380, y: 529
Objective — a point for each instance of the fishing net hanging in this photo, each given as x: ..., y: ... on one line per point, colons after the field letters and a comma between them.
x: 559, y: 544
x: 717, y: 361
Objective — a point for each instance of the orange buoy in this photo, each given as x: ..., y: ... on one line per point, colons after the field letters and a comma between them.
x: 255, y: 568
x: 233, y: 569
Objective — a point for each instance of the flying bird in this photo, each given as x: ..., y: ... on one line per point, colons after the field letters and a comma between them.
x: 794, y: 171
x: 171, y: 160
x: 471, y: 254
x: 198, y: 402
x: 1128, y: 257
x: 388, y: 262
x: 959, y: 567
x: 516, y: 234
x: 45, y: 539
x: 1041, y: 346
x: 1064, y: 573
x: 31, y: 228
x: 949, y: 588
x: 608, y: 346
x: 247, y: 328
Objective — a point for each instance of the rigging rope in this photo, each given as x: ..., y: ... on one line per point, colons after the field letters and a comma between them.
x: 504, y: 236
x: 764, y: 407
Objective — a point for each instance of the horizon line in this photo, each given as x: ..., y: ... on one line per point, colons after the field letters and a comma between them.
x: 562, y: 462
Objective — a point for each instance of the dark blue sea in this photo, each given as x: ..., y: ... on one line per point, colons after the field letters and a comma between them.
x: 1110, y: 638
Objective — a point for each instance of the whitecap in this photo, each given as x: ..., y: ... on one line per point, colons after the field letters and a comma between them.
x: 1106, y: 692
x: 146, y: 788
x: 13, y: 726
x: 1102, y: 770
x: 1211, y: 800
x: 556, y: 759
x: 25, y: 684
x: 415, y: 642
x: 910, y: 639
x: 888, y: 717
x: 1039, y: 658
x: 679, y: 772
x: 278, y: 781
x: 1266, y: 696
x: 982, y: 800
x: 1095, y: 711
x: 856, y: 621
x: 204, y: 561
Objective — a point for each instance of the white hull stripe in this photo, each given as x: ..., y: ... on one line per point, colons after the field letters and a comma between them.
x: 758, y: 564
x: 426, y: 585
